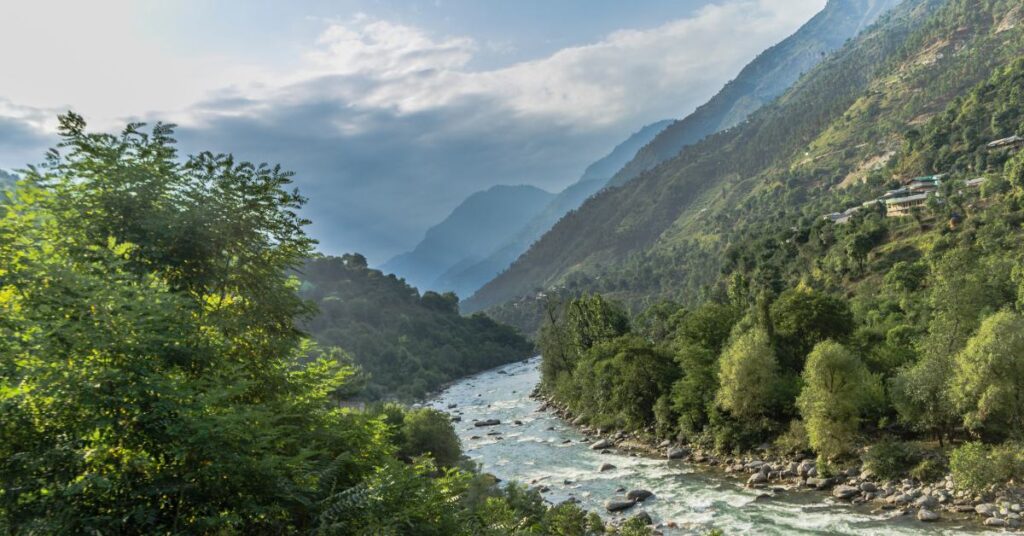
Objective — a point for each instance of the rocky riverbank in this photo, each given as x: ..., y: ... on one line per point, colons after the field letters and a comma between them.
x: 774, y: 474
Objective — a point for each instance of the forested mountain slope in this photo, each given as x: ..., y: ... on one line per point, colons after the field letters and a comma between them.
x: 408, y: 344
x: 764, y: 79
x: 467, y: 234
x: 666, y: 233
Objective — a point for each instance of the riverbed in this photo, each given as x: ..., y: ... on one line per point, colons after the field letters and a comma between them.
x: 546, y: 451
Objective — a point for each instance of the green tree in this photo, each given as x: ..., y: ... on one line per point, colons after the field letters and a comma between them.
x: 430, y: 432
x: 837, y: 390
x: 988, y: 376
x: 748, y: 374
x: 802, y: 318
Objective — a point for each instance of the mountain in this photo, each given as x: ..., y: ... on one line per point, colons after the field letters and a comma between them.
x: 765, y: 78
x: 7, y: 179
x: 467, y: 234
x: 669, y: 232
x: 761, y: 81
x: 409, y: 344
x: 468, y: 275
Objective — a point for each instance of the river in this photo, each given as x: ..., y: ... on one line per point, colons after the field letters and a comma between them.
x: 546, y: 450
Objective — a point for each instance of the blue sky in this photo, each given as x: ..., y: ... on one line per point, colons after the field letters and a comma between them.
x: 391, y: 112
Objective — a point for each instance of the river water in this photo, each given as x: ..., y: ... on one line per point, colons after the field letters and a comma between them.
x: 696, y: 499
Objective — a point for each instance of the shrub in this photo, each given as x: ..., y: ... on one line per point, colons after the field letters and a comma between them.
x: 428, y: 431
x: 794, y: 440
x: 929, y: 470
x: 890, y: 459
x: 976, y: 466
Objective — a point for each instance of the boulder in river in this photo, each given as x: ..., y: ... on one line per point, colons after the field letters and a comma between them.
x: 602, y: 444
x: 845, y: 493
x: 986, y: 509
x: 927, y: 515
x: 618, y: 505
x: 819, y: 483
x: 676, y: 453
x: 487, y: 422
x: 639, y: 495
x: 605, y: 467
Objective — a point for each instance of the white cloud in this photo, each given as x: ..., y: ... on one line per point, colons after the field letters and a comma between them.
x: 629, y: 74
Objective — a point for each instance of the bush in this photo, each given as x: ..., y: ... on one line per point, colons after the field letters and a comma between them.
x: 890, y: 459
x: 976, y: 466
x: 929, y: 470
x: 794, y: 440
x: 428, y: 431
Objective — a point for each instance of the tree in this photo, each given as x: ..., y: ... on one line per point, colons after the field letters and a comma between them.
x: 748, y: 373
x: 428, y: 431
x: 988, y: 376
x: 694, y: 393
x: 593, y: 319
x: 837, y: 389
x: 920, y: 394
x: 803, y: 317
x: 1014, y: 172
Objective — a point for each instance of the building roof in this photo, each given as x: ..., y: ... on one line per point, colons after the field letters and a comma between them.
x: 1005, y: 141
x: 907, y: 199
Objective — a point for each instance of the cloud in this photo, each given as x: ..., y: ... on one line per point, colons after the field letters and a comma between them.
x: 25, y: 134
x: 389, y: 127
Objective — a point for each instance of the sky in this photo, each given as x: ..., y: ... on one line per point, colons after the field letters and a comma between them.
x: 390, y: 112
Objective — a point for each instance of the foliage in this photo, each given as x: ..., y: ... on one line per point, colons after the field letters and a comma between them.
x: 747, y: 376
x: 889, y: 459
x: 837, y: 389
x: 976, y: 466
x: 407, y: 345
x: 988, y: 376
x: 430, y: 432
x: 154, y: 380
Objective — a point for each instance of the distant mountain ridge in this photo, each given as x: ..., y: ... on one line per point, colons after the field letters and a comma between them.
x: 488, y: 230
x: 466, y: 276
x: 7, y: 179
x: 467, y: 234
x: 761, y: 81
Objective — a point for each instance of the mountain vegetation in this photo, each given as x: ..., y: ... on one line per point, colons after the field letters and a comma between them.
x: 770, y: 74
x: 406, y: 344
x: 154, y: 378
x: 892, y: 333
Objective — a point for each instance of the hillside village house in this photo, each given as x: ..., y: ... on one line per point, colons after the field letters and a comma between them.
x: 902, y: 206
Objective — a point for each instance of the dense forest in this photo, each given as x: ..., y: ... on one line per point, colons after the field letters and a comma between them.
x: 406, y: 345
x: 154, y: 378
x: 894, y: 342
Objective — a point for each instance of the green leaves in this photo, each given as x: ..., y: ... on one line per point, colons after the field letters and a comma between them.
x: 988, y: 377
x: 837, y: 390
